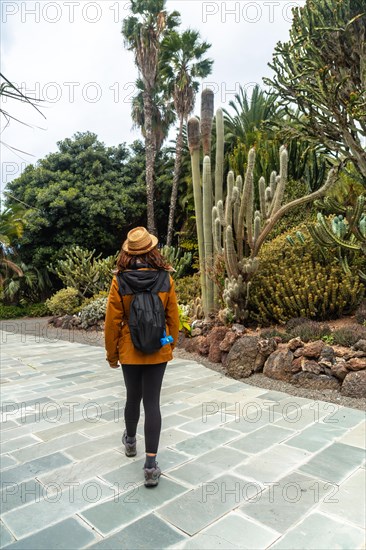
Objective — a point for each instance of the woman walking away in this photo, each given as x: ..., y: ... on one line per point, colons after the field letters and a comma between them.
x: 141, y: 331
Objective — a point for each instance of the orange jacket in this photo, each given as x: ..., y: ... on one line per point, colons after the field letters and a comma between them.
x: 118, y: 343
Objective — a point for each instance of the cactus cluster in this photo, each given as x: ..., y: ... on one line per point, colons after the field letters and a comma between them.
x: 346, y: 231
x: 234, y: 227
x: 179, y: 262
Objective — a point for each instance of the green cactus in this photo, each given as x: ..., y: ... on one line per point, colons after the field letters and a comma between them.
x: 237, y: 227
x: 174, y: 257
x: 193, y: 132
x: 346, y: 232
x: 246, y: 228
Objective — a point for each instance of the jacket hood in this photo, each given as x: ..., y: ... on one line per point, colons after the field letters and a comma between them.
x: 139, y: 280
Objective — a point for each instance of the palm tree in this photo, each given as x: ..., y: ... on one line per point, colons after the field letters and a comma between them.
x: 163, y: 114
x: 143, y: 33
x: 182, y: 63
x: 11, y: 226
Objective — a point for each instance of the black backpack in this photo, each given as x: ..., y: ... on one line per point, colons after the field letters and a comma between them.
x: 147, y: 315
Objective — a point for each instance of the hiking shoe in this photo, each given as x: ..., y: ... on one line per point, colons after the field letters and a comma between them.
x: 152, y: 475
x: 130, y: 448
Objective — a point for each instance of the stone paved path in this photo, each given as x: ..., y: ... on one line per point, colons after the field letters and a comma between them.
x: 242, y: 467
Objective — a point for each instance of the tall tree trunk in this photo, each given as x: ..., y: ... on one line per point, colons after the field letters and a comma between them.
x: 150, y: 151
x: 177, y: 165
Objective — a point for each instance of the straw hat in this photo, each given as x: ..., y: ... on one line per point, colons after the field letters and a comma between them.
x: 139, y: 241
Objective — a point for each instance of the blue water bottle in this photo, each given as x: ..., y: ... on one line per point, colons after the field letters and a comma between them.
x: 166, y: 339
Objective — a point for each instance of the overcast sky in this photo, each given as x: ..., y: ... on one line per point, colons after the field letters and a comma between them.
x: 71, y: 54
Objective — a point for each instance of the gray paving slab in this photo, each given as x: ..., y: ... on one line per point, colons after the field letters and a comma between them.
x: 323, y: 533
x: 65, y: 535
x: 147, y: 532
x: 224, y: 446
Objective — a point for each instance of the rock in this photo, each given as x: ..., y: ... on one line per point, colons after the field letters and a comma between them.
x: 214, y: 339
x: 279, y: 365
x: 311, y: 366
x: 229, y: 340
x: 356, y: 364
x: 57, y: 323
x: 196, y: 332
x: 353, y: 354
x: 296, y: 365
x: 295, y: 343
x: 181, y: 342
x: 224, y: 356
x: 203, y: 346
x: 266, y: 346
x: 192, y: 344
x: 313, y: 349
x: 315, y: 382
x: 339, y: 369
x: 298, y: 352
x: 360, y: 345
x: 240, y: 329
x: 325, y: 363
x: 340, y: 351
x: 246, y: 356
x: 354, y: 385
x: 327, y: 354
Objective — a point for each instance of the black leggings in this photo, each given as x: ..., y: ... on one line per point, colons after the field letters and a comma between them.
x: 144, y: 382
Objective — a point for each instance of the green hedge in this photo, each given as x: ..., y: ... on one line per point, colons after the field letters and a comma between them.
x: 32, y: 310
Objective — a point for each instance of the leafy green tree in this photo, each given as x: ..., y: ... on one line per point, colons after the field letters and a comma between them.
x: 182, y: 63
x: 143, y: 32
x: 85, y: 193
x: 322, y: 69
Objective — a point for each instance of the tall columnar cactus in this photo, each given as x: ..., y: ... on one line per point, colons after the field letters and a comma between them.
x: 203, y: 192
x: 244, y: 228
x: 346, y: 232
x: 193, y: 132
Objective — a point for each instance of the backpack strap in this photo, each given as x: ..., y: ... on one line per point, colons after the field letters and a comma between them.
x: 162, y: 283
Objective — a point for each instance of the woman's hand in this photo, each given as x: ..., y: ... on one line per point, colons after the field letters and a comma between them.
x: 114, y: 365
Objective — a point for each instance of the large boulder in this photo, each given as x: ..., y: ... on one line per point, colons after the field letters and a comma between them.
x: 279, y: 365
x: 354, y: 385
x: 315, y: 381
x: 248, y: 355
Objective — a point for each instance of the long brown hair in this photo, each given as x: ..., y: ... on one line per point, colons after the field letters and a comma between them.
x: 154, y: 258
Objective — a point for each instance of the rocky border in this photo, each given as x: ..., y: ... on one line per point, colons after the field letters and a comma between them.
x: 313, y: 365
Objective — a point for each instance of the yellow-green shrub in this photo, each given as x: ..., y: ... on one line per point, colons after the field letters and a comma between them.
x: 297, y: 281
x: 65, y: 301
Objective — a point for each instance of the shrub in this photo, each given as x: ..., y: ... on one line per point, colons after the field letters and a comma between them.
x: 37, y: 310
x: 83, y: 271
x: 361, y: 313
x: 348, y: 336
x: 298, y: 281
x: 87, y: 301
x: 272, y: 332
x: 188, y: 288
x: 11, y: 312
x: 93, y: 312
x: 296, y: 322
x: 65, y: 301
x: 311, y: 330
